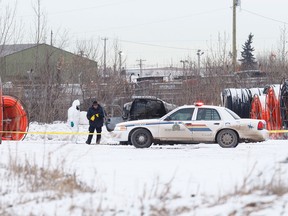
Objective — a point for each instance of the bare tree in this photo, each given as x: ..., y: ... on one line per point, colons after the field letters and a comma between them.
x: 282, y: 45
x: 46, y: 85
x: 273, y: 62
x: 89, y: 49
x: 7, y: 24
x: 40, y: 24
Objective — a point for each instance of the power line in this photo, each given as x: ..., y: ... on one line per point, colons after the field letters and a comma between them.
x: 80, y: 9
x: 157, y: 21
x: 265, y: 17
x: 157, y: 45
x: 164, y: 20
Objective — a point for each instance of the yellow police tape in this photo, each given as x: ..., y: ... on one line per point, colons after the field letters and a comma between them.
x: 87, y: 133
x: 278, y: 131
x: 50, y: 132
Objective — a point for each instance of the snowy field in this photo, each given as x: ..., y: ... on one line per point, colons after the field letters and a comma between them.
x: 202, y: 179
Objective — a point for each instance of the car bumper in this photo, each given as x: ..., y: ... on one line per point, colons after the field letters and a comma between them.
x: 119, y: 136
x: 256, y: 136
x: 265, y: 134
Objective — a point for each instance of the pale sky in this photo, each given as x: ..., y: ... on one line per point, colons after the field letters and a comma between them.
x: 162, y: 32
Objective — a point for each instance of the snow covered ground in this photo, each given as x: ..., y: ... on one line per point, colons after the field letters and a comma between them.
x: 202, y: 179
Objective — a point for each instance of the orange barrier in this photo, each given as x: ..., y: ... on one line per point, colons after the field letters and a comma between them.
x: 256, y: 108
x: 15, y: 118
x: 268, y: 108
x: 272, y: 109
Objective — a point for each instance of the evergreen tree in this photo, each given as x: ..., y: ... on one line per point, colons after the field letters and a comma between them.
x: 248, y: 61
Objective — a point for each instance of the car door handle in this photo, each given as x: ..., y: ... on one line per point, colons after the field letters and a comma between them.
x: 216, y: 123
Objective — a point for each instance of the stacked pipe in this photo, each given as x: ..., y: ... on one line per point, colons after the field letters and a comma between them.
x: 260, y: 103
x: 238, y: 100
x: 14, y: 119
x: 284, y: 103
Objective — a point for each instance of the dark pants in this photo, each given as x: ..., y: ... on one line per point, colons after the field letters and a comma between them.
x: 91, y: 130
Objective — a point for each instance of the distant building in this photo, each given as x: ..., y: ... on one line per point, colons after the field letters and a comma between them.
x: 23, y: 62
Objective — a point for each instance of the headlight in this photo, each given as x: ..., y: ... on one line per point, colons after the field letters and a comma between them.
x: 120, y: 128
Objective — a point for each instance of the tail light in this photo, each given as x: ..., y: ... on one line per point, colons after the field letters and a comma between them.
x: 261, y: 125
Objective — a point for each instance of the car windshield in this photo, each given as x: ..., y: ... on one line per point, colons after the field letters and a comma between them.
x: 234, y: 115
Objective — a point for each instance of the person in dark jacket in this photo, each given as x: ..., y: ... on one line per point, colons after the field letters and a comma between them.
x: 95, y: 115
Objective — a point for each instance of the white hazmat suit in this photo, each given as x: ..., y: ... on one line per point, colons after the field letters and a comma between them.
x: 73, y: 114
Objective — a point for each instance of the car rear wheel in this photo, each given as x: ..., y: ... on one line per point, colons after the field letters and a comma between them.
x: 227, y: 139
x: 141, y: 138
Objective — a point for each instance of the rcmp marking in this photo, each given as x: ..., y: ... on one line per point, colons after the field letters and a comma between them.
x: 198, y: 127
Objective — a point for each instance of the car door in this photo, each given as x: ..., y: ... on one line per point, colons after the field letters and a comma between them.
x: 174, y: 127
x: 205, y: 126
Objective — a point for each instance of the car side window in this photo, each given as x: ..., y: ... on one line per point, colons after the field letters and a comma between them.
x: 184, y: 114
x: 207, y: 114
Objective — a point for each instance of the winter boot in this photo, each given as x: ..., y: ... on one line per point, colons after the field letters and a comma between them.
x: 89, y: 139
x: 98, y: 139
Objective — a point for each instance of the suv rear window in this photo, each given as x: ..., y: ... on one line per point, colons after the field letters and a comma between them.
x: 147, y: 109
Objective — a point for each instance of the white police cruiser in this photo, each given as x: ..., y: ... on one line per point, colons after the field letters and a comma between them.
x: 196, y: 123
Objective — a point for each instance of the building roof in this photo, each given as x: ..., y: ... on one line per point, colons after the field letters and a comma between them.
x: 7, y: 50
x: 13, y: 48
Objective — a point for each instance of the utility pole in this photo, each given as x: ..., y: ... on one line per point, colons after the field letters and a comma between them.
x: 199, y: 53
x: 234, y: 51
x: 51, y: 38
x: 104, y: 70
x: 141, y: 65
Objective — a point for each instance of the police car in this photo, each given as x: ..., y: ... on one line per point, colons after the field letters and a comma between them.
x: 196, y: 123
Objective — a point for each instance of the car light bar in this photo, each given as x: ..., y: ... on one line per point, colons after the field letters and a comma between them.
x: 199, y: 103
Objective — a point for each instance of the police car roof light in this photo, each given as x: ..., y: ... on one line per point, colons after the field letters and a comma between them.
x: 199, y: 103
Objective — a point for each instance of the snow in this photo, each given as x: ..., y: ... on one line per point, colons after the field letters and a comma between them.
x: 202, y: 179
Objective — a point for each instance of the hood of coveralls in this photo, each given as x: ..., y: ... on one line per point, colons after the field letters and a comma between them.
x: 76, y: 103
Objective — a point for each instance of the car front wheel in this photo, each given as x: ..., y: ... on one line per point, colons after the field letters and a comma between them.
x: 141, y: 138
x: 227, y: 139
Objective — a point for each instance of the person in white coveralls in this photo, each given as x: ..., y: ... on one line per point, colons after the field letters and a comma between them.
x: 73, y: 119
